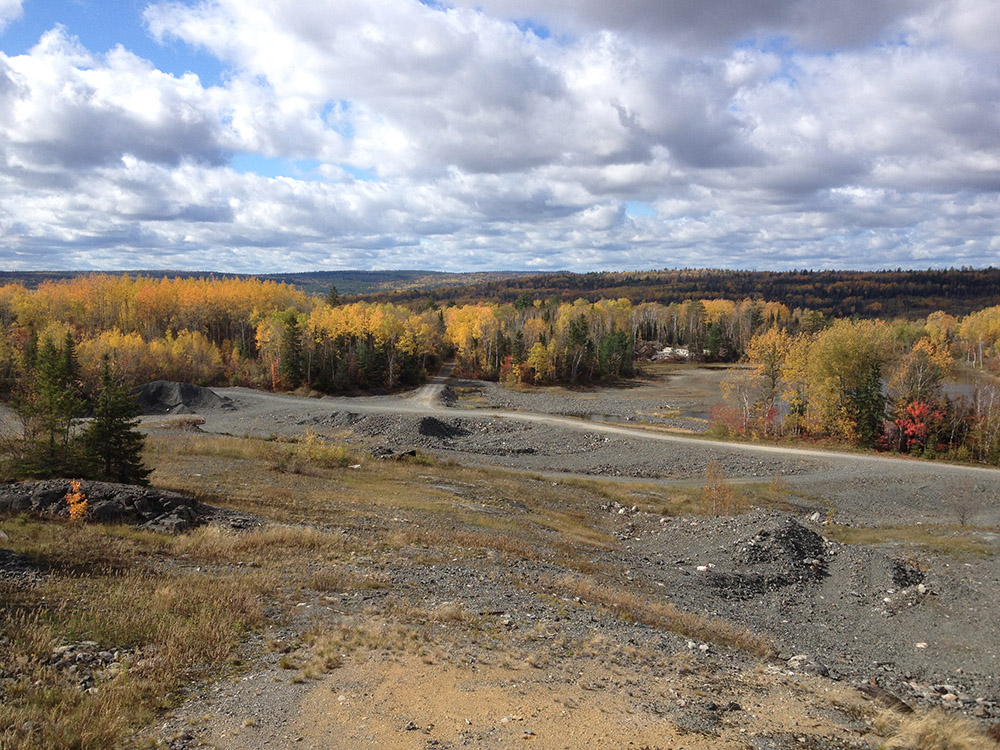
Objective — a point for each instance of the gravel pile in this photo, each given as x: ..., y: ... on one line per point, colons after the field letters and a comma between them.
x: 167, y: 397
x: 859, y: 612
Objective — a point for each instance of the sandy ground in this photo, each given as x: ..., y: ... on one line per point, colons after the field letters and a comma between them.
x: 409, y: 704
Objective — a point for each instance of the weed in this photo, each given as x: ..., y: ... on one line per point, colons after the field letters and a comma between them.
x: 448, y: 612
x: 719, y: 496
x: 338, y: 579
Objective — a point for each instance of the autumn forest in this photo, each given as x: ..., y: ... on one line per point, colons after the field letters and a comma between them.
x: 923, y: 386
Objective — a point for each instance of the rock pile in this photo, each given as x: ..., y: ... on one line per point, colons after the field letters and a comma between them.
x: 148, y: 508
x: 88, y: 664
x: 781, y: 553
x: 15, y: 567
x: 431, y: 427
x: 167, y: 397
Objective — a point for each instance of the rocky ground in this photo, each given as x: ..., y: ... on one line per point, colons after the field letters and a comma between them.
x: 145, y: 507
x: 875, y: 584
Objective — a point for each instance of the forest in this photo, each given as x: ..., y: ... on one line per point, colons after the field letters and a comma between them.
x: 885, y: 383
x: 888, y: 294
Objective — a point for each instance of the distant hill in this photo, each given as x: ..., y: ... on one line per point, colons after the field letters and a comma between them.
x: 315, y: 282
x: 374, y: 282
x: 885, y: 294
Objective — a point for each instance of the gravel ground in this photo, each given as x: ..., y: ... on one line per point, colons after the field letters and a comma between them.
x: 861, y: 489
x: 920, y: 620
x: 628, y: 403
x: 924, y: 626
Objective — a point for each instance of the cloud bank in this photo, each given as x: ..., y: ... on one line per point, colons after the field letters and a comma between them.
x: 645, y: 134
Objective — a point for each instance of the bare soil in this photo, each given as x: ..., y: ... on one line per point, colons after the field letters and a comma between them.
x: 873, y: 568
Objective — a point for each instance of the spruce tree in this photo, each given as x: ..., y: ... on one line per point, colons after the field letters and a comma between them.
x: 48, y: 406
x: 111, y: 439
x: 291, y: 367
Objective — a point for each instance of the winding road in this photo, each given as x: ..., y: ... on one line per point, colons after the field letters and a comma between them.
x: 867, y: 488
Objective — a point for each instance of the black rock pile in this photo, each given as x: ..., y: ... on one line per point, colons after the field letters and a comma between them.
x: 781, y: 553
x: 145, y: 507
x: 167, y: 397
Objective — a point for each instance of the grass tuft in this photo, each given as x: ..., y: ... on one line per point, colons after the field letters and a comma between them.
x: 660, y: 614
x: 937, y: 730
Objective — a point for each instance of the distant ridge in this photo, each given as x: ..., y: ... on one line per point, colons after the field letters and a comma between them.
x: 884, y: 294
x: 314, y: 282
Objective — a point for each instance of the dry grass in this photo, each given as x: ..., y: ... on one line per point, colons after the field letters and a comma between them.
x: 937, y: 730
x: 944, y: 540
x: 339, y: 579
x: 173, y: 625
x: 215, y: 544
x: 177, y: 608
x: 659, y: 614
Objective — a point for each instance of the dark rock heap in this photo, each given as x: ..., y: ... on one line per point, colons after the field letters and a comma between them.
x: 145, y: 507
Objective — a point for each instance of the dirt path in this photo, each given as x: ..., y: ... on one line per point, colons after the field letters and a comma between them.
x: 426, y: 396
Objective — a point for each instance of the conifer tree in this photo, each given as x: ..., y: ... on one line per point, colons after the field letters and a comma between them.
x: 48, y: 408
x: 111, y: 440
x: 291, y: 366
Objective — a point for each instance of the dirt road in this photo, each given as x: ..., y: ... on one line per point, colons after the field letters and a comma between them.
x: 861, y: 488
x: 610, y: 681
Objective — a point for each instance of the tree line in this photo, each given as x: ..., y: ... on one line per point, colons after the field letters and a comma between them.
x: 886, y: 294
x: 874, y: 382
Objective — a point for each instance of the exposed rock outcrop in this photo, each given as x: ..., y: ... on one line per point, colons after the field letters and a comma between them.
x: 107, y: 503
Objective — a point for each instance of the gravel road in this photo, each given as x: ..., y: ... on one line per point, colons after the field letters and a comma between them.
x: 920, y: 620
x: 533, y: 432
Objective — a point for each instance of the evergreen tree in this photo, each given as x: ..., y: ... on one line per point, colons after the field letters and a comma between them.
x: 111, y: 439
x: 867, y: 406
x: 48, y: 408
x: 29, y: 354
x: 333, y: 297
x: 69, y: 370
x: 292, y: 368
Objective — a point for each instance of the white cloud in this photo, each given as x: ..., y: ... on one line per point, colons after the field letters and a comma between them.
x: 65, y: 109
x: 495, y: 147
x: 10, y: 10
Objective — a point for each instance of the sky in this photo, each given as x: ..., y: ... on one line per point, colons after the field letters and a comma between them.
x: 267, y: 136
